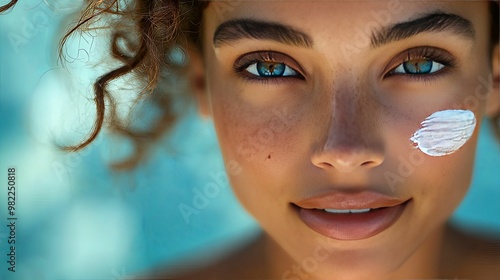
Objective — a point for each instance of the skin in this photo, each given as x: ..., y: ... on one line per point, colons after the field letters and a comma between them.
x: 343, y: 128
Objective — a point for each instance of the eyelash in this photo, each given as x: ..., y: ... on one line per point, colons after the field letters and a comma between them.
x: 426, y: 52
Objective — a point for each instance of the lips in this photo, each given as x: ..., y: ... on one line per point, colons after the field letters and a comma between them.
x: 350, y: 215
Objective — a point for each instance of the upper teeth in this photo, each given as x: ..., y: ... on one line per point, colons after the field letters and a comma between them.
x: 344, y: 211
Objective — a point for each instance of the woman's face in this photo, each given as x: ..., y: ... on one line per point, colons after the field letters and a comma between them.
x: 316, y: 103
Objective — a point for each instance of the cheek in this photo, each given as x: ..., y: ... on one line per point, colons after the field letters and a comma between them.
x: 437, y: 183
x: 449, y: 138
x: 260, y: 138
x: 430, y: 152
x: 260, y: 142
x: 251, y: 135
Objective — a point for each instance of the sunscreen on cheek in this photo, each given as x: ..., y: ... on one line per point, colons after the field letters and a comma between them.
x: 444, y: 132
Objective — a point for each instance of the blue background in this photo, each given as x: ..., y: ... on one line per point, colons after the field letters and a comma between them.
x: 79, y: 220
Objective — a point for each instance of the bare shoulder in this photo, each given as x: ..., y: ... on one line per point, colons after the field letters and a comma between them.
x: 243, y: 262
x: 472, y: 256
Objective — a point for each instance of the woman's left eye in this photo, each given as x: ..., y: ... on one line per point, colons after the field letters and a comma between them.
x: 418, y: 67
x: 270, y: 69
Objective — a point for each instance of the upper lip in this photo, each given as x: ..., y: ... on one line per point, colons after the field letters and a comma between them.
x: 343, y: 200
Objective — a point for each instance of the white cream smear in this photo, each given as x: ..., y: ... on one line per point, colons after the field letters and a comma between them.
x: 444, y: 132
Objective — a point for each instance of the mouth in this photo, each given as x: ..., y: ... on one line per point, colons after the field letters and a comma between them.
x: 350, y: 216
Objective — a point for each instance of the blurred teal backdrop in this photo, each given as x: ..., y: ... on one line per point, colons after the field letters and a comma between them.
x: 79, y: 220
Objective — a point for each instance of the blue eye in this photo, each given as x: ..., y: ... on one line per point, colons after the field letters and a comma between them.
x: 270, y: 69
x: 418, y: 67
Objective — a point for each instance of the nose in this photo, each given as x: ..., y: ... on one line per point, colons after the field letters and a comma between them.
x: 351, y: 137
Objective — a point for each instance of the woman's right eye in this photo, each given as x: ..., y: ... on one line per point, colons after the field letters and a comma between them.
x: 267, y: 66
x: 270, y: 69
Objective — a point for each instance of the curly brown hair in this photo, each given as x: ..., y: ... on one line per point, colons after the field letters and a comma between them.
x: 150, y: 30
x: 7, y: 6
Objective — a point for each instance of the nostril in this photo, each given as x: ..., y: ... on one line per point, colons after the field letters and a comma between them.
x: 368, y: 163
x: 325, y: 165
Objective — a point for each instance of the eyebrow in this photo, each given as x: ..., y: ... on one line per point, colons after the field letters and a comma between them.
x: 237, y: 29
x: 436, y: 21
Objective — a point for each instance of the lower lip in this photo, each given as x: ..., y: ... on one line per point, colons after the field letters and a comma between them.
x: 351, y: 226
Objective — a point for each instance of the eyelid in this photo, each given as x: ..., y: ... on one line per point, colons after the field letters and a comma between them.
x: 245, y: 60
x: 432, y: 53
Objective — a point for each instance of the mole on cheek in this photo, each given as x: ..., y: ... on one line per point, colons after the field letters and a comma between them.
x: 444, y: 132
